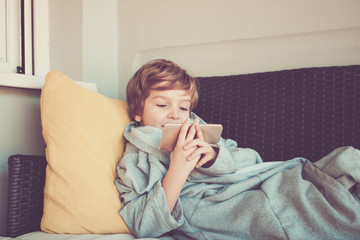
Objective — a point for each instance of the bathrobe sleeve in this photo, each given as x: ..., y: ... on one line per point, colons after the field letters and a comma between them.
x: 145, y: 208
x: 230, y: 159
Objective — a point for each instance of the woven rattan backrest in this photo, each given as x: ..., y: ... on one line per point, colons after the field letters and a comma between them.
x: 285, y: 114
x: 26, y: 184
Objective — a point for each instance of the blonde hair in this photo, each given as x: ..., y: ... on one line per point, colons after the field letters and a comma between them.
x: 150, y: 75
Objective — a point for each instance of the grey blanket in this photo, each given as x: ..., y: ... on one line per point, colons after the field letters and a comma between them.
x: 240, y: 197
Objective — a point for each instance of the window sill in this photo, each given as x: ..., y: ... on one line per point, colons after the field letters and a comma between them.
x: 21, y: 81
x: 32, y: 82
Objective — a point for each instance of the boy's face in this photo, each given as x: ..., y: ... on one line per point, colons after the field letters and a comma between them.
x: 165, y: 106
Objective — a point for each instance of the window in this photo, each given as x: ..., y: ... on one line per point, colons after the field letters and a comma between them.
x: 10, y: 35
x: 24, y: 36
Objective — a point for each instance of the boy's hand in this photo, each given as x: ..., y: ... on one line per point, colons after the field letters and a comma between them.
x: 203, y: 151
x: 180, y: 167
x: 190, y: 147
x: 191, y: 150
x: 179, y: 157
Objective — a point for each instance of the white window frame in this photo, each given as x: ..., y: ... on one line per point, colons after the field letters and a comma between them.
x: 36, y: 37
x: 41, y: 37
x: 40, y: 42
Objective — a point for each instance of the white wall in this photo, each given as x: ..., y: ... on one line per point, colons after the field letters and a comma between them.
x: 83, y: 42
x: 161, y: 23
x: 65, y: 21
x: 100, y: 39
x: 20, y: 134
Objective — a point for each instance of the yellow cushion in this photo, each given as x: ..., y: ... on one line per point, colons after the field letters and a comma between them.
x: 83, y: 133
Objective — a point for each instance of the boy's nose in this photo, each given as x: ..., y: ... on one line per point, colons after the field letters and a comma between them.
x: 173, y: 114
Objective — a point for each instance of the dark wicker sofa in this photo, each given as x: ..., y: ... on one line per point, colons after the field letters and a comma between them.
x: 284, y: 114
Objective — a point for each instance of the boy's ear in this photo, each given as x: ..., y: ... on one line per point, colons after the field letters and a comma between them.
x: 137, y: 118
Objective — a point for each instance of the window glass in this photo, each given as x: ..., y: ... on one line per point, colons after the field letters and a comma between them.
x: 9, y: 35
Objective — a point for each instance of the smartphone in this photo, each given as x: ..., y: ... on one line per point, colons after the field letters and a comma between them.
x: 211, y: 133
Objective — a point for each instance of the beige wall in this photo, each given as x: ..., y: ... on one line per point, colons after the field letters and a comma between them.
x: 100, y: 39
x: 83, y: 42
x: 161, y: 23
x: 96, y: 41
x: 65, y: 21
x: 20, y: 134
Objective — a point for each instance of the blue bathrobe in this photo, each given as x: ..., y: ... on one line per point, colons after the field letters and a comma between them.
x: 239, y: 196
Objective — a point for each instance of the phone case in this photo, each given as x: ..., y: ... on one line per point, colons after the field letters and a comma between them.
x: 211, y: 132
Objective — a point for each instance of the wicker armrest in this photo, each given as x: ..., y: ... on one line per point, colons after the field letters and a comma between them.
x: 26, y: 184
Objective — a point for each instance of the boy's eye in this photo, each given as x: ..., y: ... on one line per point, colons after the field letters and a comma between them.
x: 184, y: 109
x: 161, y: 105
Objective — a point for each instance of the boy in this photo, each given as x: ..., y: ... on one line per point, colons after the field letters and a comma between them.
x: 168, y: 94
x: 196, y: 192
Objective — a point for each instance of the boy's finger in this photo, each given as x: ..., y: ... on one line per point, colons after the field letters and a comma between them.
x: 183, y: 131
x: 197, y: 153
x: 202, y: 161
x: 199, y: 132
x: 194, y: 143
x: 192, y: 131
